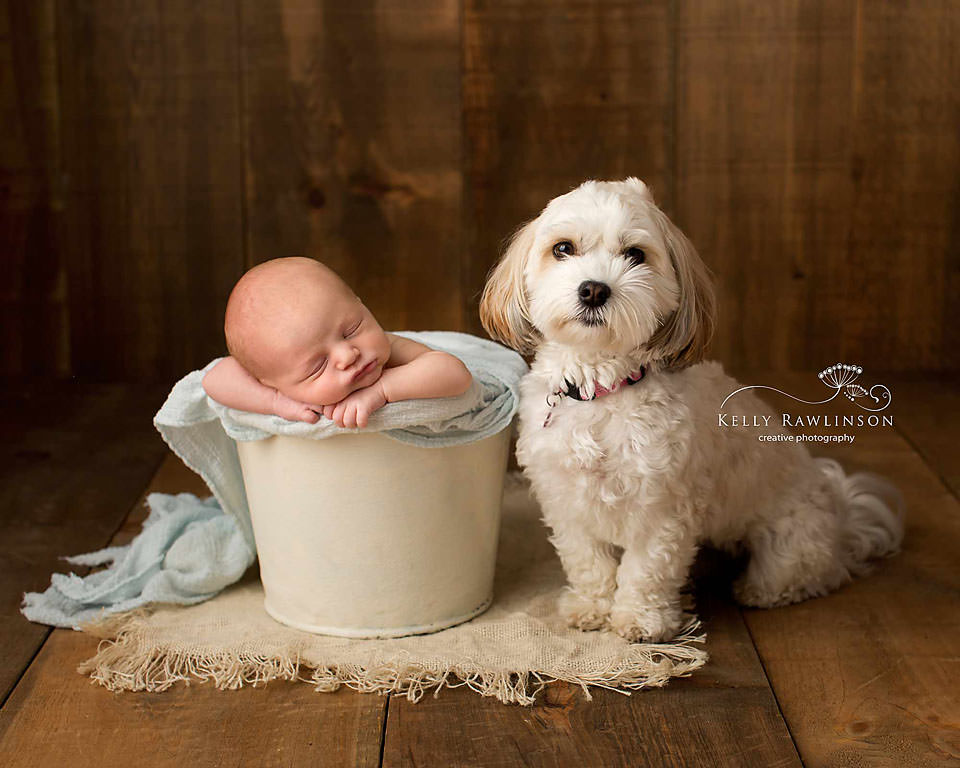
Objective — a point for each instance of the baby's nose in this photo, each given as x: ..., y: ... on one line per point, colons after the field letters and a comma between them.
x: 347, y: 355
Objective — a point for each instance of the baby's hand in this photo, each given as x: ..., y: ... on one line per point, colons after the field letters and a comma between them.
x: 355, y: 409
x: 292, y: 410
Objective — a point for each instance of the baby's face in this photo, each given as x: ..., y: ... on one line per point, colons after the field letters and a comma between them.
x: 331, y: 350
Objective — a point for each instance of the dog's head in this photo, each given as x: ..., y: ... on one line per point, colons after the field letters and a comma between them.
x: 602, y: 268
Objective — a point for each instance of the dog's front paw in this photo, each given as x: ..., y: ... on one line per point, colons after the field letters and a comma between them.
x: 653, y: 625
x: 584, y: 612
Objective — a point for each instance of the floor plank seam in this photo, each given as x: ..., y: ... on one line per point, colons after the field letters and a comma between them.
x: 81, y: 571
x: 927, y: 461
x: 142, y: 494
x: 26, y: 667
x: 773, y: 691
x: 383, y: 728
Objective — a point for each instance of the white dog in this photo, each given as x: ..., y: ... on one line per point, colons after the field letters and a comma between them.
x: 619, y: 434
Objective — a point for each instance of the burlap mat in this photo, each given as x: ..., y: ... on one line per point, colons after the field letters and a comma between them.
x: 509, y: 652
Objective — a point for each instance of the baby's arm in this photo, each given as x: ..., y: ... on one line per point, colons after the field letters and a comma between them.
x: 416, y: 371
x: 231, y: 384
x: 413, y: 371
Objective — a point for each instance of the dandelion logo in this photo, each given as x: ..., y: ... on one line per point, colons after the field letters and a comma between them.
x: 842, y: 379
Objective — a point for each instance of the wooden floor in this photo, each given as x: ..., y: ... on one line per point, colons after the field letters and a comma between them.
x: 868, y: 676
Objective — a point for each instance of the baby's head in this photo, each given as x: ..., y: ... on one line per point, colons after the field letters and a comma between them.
x: 296, y: 326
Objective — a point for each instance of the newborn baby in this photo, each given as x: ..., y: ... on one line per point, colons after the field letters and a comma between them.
x: 302, y: 344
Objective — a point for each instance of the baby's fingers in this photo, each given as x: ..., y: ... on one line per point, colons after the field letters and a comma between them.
x: 363, y: 417
x: 309, y: 415
x: 350, y: 417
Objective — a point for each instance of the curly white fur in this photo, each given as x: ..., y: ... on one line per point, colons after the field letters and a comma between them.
x: 633, y: 482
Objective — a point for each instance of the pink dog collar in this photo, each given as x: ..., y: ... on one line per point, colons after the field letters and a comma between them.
x: 573, y: 392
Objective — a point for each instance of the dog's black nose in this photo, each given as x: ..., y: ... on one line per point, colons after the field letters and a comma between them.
x: 593, y: 294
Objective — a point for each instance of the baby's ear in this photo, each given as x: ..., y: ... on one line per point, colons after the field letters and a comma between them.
x: 639, y: 188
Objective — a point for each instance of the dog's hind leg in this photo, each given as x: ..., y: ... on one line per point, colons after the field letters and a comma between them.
x: 792, y: 557
x: 825, y: 535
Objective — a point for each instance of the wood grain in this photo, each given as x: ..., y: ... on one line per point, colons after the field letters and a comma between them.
x: 762, y: 167
x: 150, y: 101
x: 930, y: 421
x: 73, y: 460
x: 352, y: 136
x: 905, y: 153
x: 554, y: 94
x: 816, y: 164
x: 808, y: 147
x: 33, y: 300
x: 55, y: 715
x: 725, y: 714
x: 869, y: 674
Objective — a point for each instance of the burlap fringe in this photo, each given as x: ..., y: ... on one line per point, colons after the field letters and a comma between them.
x: 124, y: 663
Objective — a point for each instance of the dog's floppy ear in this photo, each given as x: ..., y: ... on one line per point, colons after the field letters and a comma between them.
x: 683, y: 338
x: 504, y: 308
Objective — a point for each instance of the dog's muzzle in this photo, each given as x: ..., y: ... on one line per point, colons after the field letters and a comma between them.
x: 592, y: 295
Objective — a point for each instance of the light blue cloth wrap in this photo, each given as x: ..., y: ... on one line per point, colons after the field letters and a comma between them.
x: 190, y: 549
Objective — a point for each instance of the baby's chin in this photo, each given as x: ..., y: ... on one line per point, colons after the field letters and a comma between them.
x: 367, y: 380
x: 369, y: 377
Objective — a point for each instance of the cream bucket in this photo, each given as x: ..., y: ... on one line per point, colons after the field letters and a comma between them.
x: 359, y: 535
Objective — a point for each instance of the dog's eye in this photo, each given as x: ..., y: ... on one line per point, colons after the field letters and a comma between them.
x: 563, y: 249
x: 636, y: 255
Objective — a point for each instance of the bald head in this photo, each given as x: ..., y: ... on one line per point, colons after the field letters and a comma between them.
x: 272, y: 308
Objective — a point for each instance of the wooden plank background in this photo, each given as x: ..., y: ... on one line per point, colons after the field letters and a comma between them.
x: 150, y: 152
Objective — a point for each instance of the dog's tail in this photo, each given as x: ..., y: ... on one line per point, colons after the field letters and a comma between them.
x: 872, y: 515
